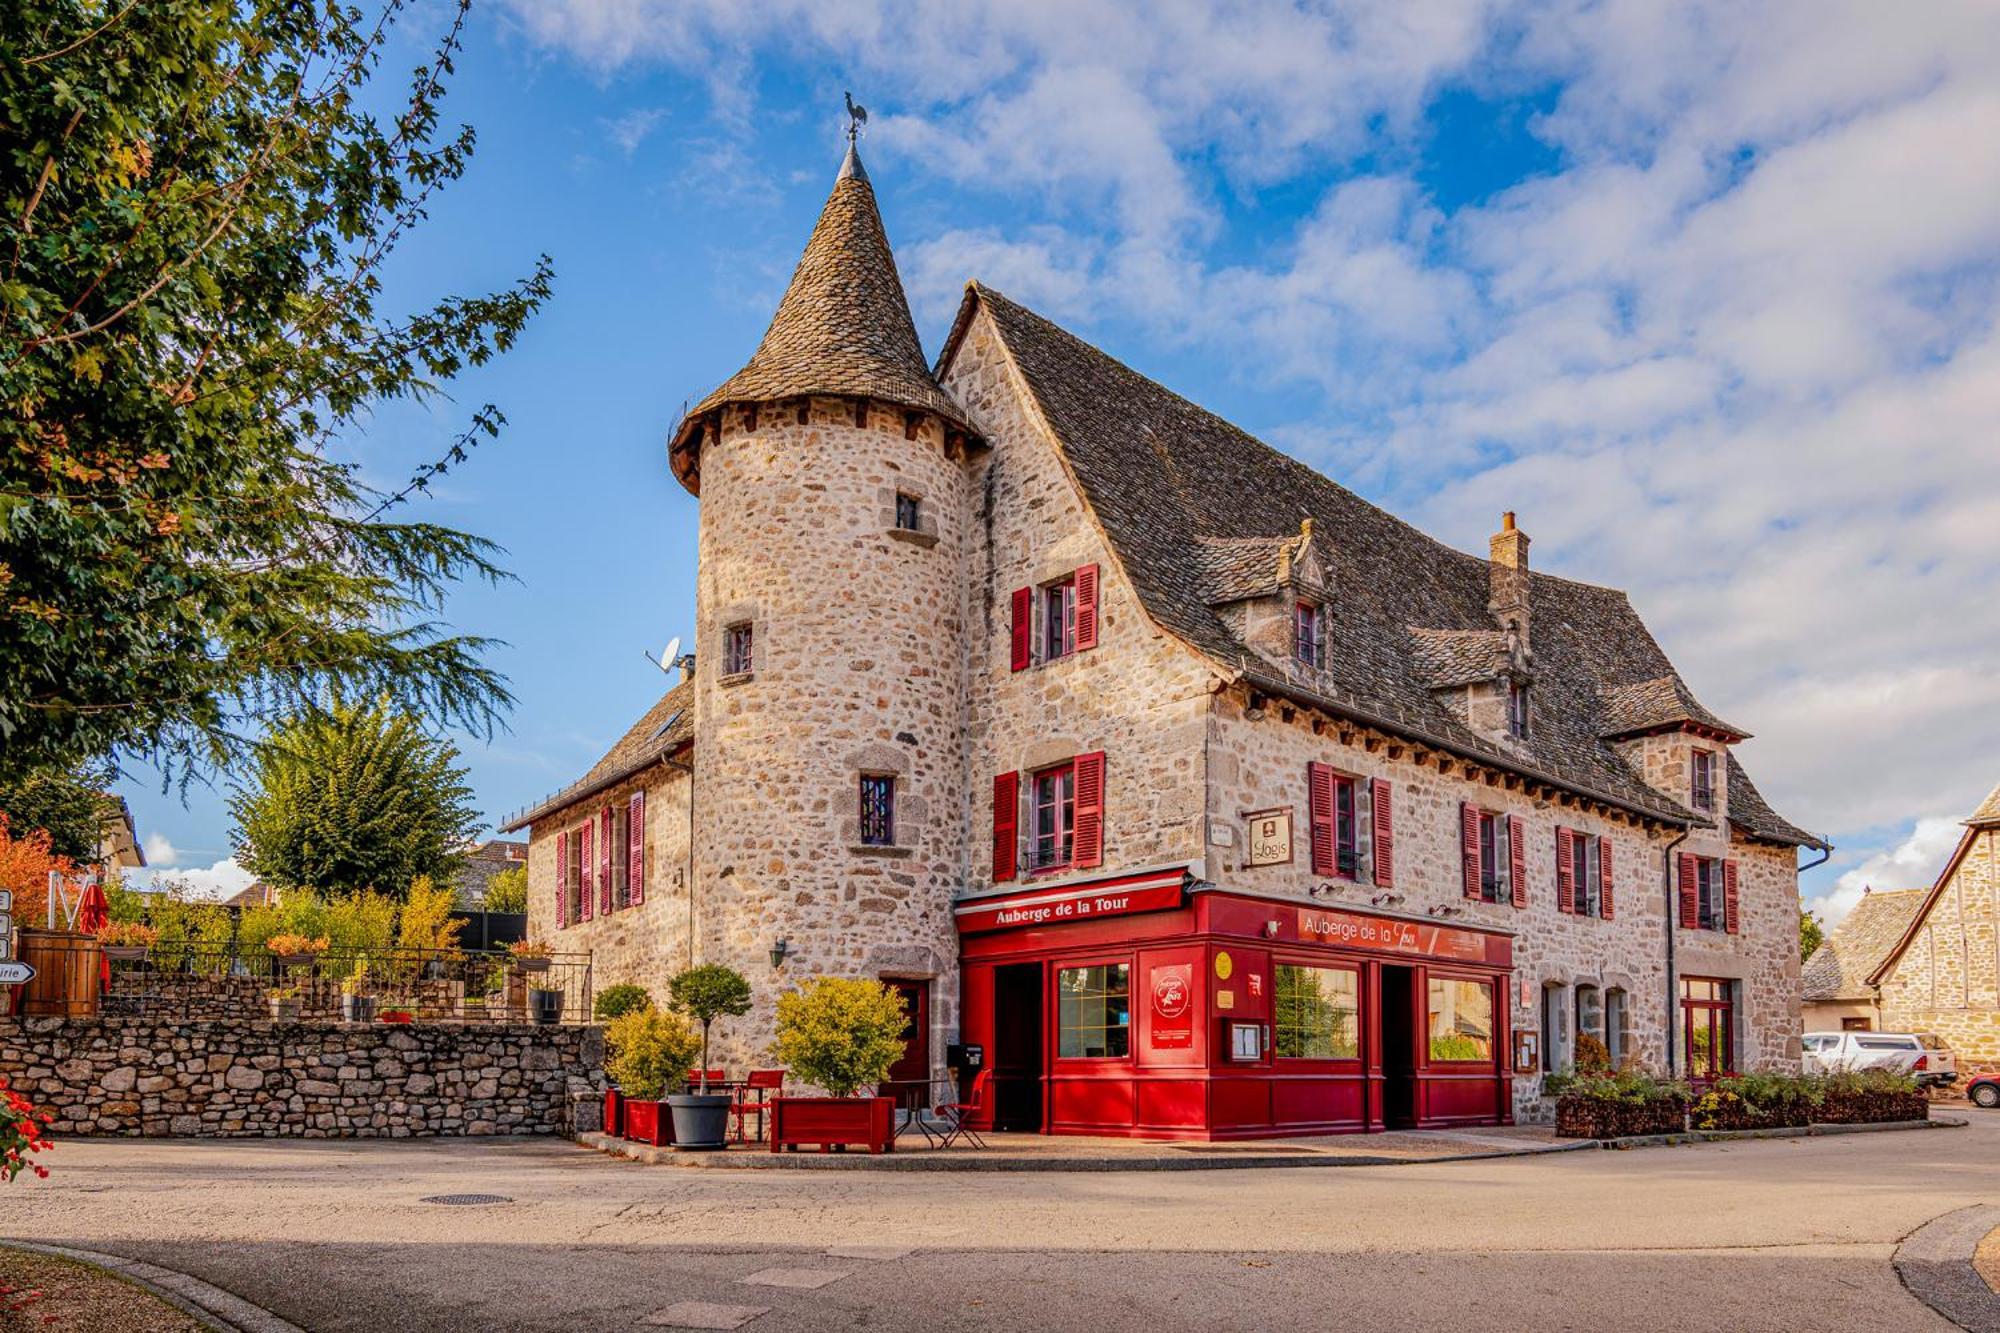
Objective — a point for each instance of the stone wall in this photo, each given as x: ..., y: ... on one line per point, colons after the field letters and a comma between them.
x: 299, y: 1080
x: 1948, y: 979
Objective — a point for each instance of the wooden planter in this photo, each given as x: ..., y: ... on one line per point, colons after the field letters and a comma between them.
x: 66, y: 964
x: 647, y: 1122
x: 833, y: 1122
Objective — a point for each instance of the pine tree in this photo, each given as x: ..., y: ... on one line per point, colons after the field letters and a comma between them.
x: 349, y: 798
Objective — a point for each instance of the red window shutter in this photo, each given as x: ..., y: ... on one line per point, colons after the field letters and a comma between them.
x: 1385, y: 832
x: 1024, y: 626
x: 1604, y: 876
x: 1468, y: 829
x: 1006, y: 825
x: 1729, y: 896
x: 1086, y: 607
x: 607, y: 827
x: 1517, y: 858
x: 1690, y: 906
x: 588, y: 869
x: 635, y: 848
x: 1565, y: 870
x: 1089, y: 841
x: 1319, y: 800
x: 562, y: 879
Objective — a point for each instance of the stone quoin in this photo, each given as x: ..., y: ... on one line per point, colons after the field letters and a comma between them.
x: 1199, y: 795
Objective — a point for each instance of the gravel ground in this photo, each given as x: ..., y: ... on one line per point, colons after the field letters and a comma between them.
x: 57, y: 1296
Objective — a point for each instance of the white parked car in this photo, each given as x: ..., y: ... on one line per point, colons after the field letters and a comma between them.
x: 1925, y: 1057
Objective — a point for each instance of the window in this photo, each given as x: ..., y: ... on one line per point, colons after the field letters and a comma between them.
x: 909, y: 512
x: 1586, y: 865
x: 1492, y: 855
x: 1055, y: 817
x: 738, y: 650
x: 1614, y: 1026
x: 878, y: 810
x: 1517, y: 710
x: 1710, y: 909
x: 1059, y: 619
x: 1589, y: 1021
x: 620, y: 845
x: 1308, y: 635
x: 1702, y: 785
x: 1461, y: 1019
x: 1555, y: 1029
x: 1094, y: 1012
x: 573, y: 877
x: 1708, y: 1026
x: 1315, y: 1011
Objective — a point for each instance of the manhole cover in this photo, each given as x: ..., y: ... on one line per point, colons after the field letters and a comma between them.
x: 465, y: 1198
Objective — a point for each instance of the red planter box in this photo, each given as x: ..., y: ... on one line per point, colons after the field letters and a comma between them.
x: 614, y: 1112
x: 648, y: 1122
x: 829, y: 1122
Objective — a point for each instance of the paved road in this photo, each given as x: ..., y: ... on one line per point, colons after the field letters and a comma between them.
x: 1789, y: 1235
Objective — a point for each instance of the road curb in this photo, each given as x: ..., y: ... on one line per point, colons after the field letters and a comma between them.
x: 1786, y: 1132
x: 221, y: 1310
x: 1935, y: 1264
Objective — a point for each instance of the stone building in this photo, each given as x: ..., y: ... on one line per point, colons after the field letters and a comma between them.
x: 990, y: 633
x: 1942, y: 973
x: 1837, y: 992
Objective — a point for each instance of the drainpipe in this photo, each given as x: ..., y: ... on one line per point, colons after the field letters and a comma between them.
x: 1673, y: 924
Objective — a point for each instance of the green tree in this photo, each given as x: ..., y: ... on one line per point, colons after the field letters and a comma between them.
x: 840, y: 1033
x: 349, y: 798
x: 507, y: 891
x: 1811, y: 933
x: 706, y: 993
x: 196, y: 203
x: 70, y: 804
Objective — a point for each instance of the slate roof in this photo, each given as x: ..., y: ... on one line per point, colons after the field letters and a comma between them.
x: 1238, y: 567
x: 1664, y: 701
x: 1988, y: 811
x: 666, y: 727
x: 1749, y: 812
x: 1839, y: 968
x: 843, y: 327
x: 1168, y: 481
x: 1443, y: 658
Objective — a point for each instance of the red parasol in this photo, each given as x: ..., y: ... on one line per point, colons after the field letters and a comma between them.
x: 91, y: 915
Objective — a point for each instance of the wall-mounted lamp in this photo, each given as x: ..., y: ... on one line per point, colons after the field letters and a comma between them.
x: 1270, y: 930
x: 779, y: 952
x: 1444, y: 910
x: 1386, y: 899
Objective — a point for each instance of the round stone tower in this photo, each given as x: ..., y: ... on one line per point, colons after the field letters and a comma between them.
x: 830, y: 621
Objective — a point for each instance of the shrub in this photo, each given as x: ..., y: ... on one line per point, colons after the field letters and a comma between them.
x: 507, y: 891
x: 840, y: 1033
x: 186, y: 924
x: 21, y: 1133
x: 1592, y: 1055
x: 126, y: 934
x: 288, y: 945
x: 647, y: 1051
x: 1870, y: 1096
x: 707, y: 993
x: 617, y: 1001
x: 1610, y: 1106
x: 426, y: 921
x: 528, y: 949
x: 1756, y: 1101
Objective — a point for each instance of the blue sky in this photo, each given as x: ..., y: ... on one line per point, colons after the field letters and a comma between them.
x: 1708, y: 294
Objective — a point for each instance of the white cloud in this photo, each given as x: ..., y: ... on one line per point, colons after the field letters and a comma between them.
x: 223, y: 879
x: 1913, y: 863
x: 634, y: 127
x: 1737, y: 349
x: 160, y: 852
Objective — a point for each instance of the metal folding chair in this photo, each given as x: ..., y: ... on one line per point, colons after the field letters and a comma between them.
x: 959, y: 1115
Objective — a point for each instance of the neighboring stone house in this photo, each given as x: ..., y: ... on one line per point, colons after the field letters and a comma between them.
x: 975, y: 641
x: 1942, y: 974
x: 117, y: 837
x: 1838, y: 994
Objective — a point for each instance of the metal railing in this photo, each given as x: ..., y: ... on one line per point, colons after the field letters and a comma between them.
x: 198, y: 981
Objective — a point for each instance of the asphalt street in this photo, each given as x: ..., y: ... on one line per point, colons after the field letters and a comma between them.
x: 1790, y: 1234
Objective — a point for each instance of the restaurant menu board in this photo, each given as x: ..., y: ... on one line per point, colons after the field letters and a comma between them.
x: 1172, y: 988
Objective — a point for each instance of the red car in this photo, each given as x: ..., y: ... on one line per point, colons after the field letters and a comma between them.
x: 1984, y: 1090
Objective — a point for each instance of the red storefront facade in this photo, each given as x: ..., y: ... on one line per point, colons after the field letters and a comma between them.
x: 1153, y: 1005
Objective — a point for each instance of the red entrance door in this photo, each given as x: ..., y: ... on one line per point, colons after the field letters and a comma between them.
x: 910, y: 1076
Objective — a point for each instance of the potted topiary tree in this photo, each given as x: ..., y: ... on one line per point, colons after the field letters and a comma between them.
x: 841, y: 1034
x: 705, y: 993
x: 646, y: 1053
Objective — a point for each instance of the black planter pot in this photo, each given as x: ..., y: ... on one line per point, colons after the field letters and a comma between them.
x: 700, y: 1121
x: 357, y: 1008
x: 545, y: 1006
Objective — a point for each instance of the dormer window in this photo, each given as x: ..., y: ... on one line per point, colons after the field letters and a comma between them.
x: 1517, y: 710
x: 1701, y: 786
x: 1308, y: 635
x: 909, y: 512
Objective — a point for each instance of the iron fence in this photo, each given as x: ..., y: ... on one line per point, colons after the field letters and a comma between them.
x: 190, y: 981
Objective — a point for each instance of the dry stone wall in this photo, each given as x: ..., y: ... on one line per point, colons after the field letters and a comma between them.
x: 300, y: 1080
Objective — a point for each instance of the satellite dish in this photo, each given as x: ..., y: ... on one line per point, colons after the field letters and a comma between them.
x: 671, y: 653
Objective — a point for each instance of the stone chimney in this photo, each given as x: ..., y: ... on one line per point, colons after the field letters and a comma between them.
x: 1508, y: 573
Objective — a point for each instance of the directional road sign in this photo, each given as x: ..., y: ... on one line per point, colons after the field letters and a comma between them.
x: 6, y: 900
x: 13, y: 974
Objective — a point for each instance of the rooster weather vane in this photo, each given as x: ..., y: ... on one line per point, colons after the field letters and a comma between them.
x: 857, y: 116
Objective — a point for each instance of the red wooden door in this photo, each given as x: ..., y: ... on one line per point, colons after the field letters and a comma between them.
x: 911, y: 1074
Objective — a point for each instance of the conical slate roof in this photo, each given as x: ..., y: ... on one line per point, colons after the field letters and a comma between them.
x: 843, y: 328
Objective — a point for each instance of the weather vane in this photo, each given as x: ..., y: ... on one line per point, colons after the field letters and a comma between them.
x: 857, y: 116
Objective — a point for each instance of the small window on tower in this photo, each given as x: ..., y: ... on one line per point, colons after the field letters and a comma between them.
x: 909, y: 512
x: 878, y: 810
x: 738, y: 650
x: 1703, y: 784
